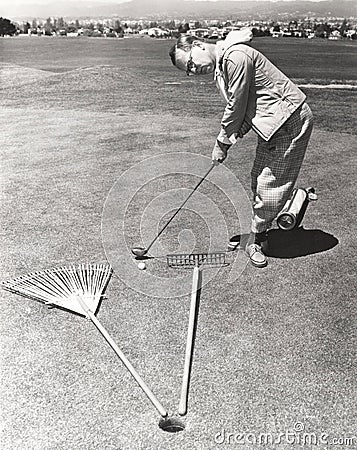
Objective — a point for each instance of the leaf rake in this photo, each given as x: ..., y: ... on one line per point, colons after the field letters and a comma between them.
x: 79, y: 289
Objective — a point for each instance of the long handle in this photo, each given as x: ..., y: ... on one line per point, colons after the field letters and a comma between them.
x: 191, y: 331
x: 124, y: 359
x: 214, y: 163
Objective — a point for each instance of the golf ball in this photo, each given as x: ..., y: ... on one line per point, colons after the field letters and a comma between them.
x: 142, y: 265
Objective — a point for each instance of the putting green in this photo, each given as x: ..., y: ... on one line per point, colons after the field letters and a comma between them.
x: 273, y: 346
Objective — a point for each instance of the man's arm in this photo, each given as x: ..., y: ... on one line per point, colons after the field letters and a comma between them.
x: 240, y: 73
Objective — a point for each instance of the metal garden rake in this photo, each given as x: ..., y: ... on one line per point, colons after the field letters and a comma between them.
x: 79, y: 289
x: 196, y: 261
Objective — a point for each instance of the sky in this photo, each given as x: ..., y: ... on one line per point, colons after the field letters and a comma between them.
x: 8, y: 6
x: 10, y: 3
x: 45, y: 2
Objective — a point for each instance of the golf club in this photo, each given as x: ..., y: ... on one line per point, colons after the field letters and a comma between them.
x: 141, y: 251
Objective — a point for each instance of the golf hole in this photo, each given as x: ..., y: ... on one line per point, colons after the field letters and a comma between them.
x: 171, y: 425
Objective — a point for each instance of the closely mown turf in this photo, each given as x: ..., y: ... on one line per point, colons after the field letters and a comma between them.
x: 274, y: 347
x: 131, y: 75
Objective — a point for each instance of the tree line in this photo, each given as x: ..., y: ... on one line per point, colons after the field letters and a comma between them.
x: 59, y: 25
x: 7, y: 28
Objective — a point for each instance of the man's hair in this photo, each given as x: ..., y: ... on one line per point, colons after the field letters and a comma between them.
x: 184, y: 42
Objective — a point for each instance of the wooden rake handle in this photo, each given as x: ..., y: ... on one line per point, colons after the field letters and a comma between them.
x: 124, y: 359
x: 191, y: 331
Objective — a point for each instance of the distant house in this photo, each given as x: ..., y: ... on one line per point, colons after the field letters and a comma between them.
x: 199, y: 32
x: 231, y: 28
x: 227, y: 30
x: 298, y: 33
x: 158, y: 32
x: 34, y: 32
x: 130, y: 30
x: 335, y: 35
x: 97, y: 33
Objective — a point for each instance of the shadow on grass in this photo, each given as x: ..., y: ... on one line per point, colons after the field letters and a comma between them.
x: 299, y: 242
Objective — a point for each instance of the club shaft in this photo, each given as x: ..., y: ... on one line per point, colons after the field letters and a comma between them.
x: 179, y: 209
x: 191, y: 330
x: 151, y: 396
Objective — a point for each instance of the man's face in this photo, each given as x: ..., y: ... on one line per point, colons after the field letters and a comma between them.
x: 198, y: 61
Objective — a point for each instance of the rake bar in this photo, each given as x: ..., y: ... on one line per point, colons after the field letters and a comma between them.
x: 190, y: 260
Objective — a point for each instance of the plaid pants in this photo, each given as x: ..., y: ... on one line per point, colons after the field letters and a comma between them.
x: 276, y: 167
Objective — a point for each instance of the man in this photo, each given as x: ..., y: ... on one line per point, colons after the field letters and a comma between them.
x: 260, y: 97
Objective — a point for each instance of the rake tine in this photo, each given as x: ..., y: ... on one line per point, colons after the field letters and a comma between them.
x: 101, y: 278
x: 46, y: 289
x: 60, y: 282
x: 27, y: 291
x: 78, y: 275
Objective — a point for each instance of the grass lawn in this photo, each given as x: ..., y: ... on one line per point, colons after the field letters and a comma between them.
x: 274, y: 347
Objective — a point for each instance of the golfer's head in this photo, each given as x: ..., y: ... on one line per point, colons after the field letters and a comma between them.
x: 193, y: 55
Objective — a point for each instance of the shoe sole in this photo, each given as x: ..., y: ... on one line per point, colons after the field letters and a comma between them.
x: 260, y: 265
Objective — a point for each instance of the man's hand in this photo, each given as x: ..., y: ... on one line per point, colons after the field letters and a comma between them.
x: 219, y: 152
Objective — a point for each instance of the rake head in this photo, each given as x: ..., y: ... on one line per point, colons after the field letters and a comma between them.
x: 62, y: 286
x: 188, y: 260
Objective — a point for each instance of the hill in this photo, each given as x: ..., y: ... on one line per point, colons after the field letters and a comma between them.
x: 188, y: 9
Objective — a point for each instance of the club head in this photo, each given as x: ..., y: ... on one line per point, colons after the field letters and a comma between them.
x: 139, y: 252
